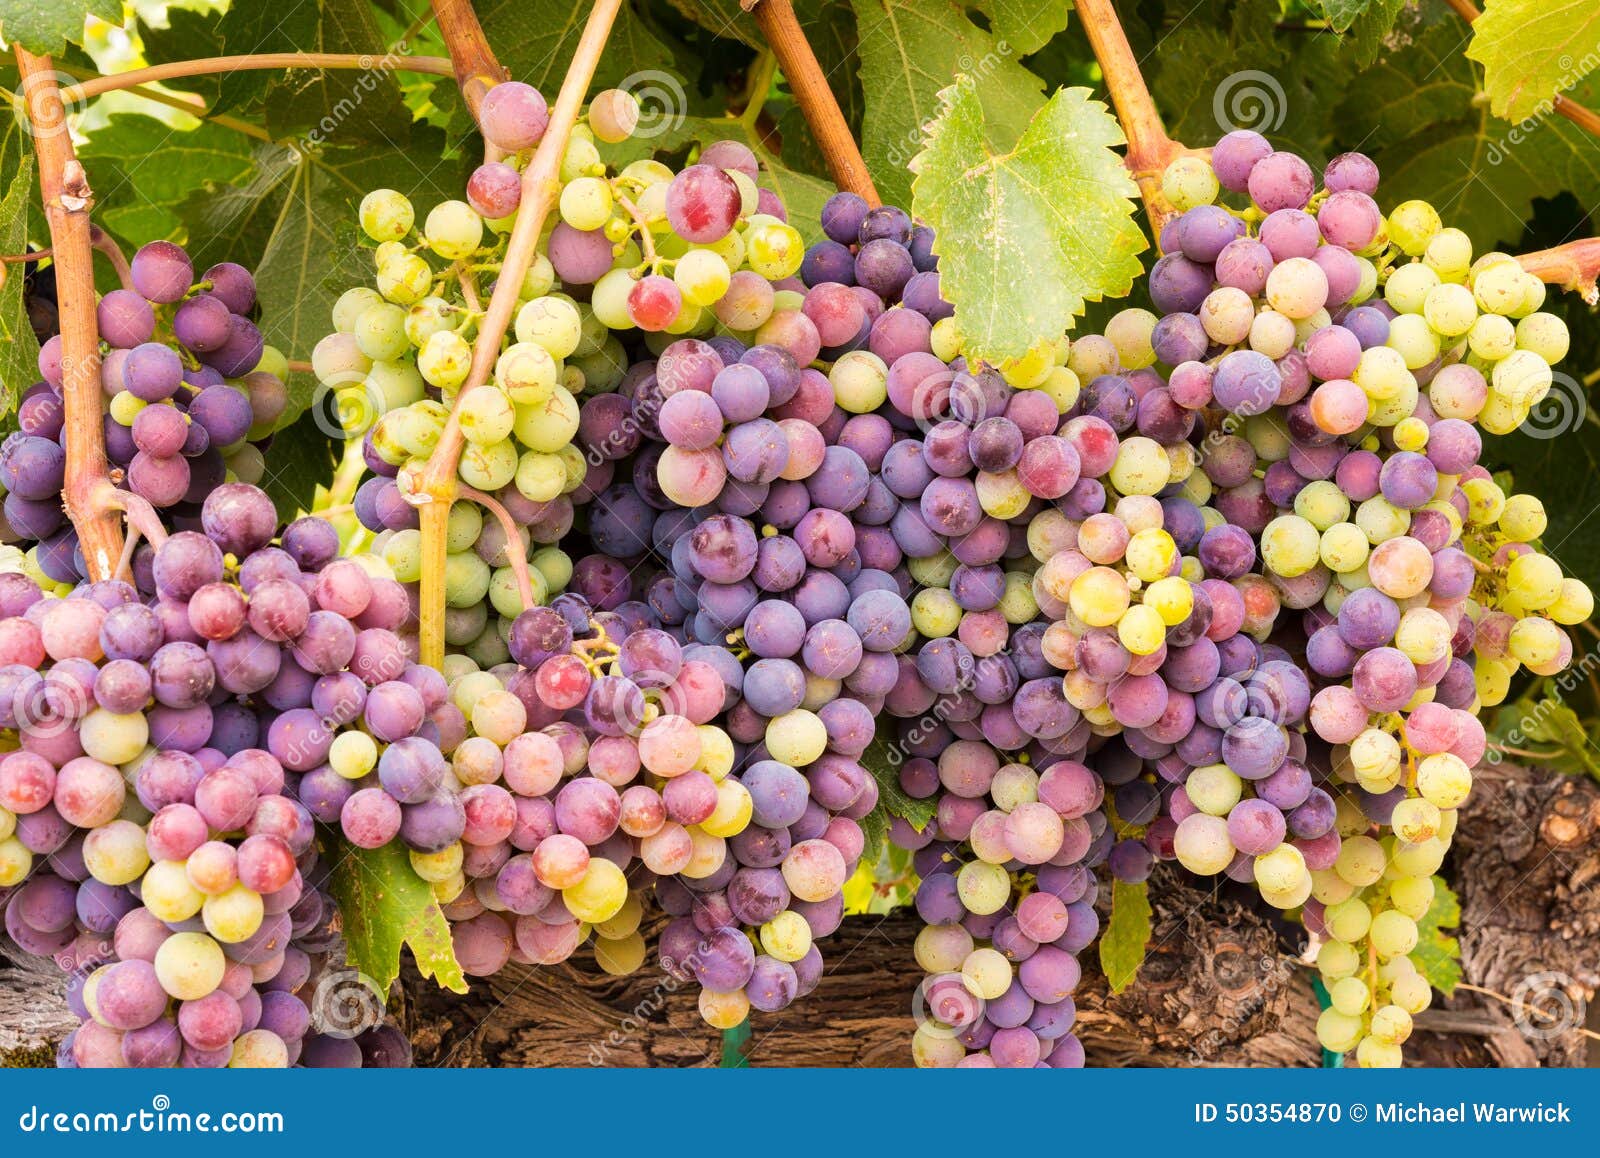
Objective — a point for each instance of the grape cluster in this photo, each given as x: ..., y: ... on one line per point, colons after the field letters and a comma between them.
x: 155, y: 841
x: 1359, y: 585
x: 192, y: 390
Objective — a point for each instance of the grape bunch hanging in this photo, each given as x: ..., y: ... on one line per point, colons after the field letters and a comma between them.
x: 745, y: 562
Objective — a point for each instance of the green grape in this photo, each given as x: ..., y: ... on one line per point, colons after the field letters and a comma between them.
x: 445, y: 359
x: 985, y: 972
x: 1393, y: 934
x: 381, y: 332
x: 796, y: 738
x: 486, y: 415
x: 112, y: 738
x: 1374, y: 1054
x: 983, y: 888
x: 392, y: 385
x: 774, y: 250
x: 540, y: 477
x: 1535, y: 642
x: 1415, y: 820
x: 1360, y: 861
x: 1499, y: 285
x: 466, y: 579
x: 1412, y: 896
x: 1575, y: 603
x: 1129, y: 333
x: 234, y: 915
x: 1450, y: 309
x: 1324, y: 505
x: 1408, y: 287
x: 1290, y: 545
x: 586, y: 203
x: 610, y: 299
x: 527, y: 372
x: 403, y: 553
x: 167, y: 893
x: 1272, y: 334
x: 1336, y: 959
x: 114, y: 853
x: 1188, y: 182
x: 426, y: 318
x: 1418, y: 860
x: 1350, y: 996
x: 1141, y: 467
x: 386, y: 215
x: 1413, y: 339
x: 1281, y: 870
x: 1202, y: 844
x: 453, y: 230
x: 189, y: 965
x: 860, y: 382
x: 437, y: 866
x: 405, y: 280
x: 1412, y: 225
x: 464, y: 527
x: 1348, y: 921
x: 942, y: 948
x: 1380, y: 520
x: 1523, y: 518
x: 1449, y: 254
x: 353, y: 754
x: 787, y: 936
x: 702, y: 276
x: 1411, y: 993
x: 125, y: 407
x: 16, y: 861
x: 1382, y: 372
x: 1337, y: 1032
x: 351, y: 305
x: 488, y: 468
x: 935, y: 613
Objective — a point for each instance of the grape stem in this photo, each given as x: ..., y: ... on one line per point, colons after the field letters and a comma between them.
x: 514, y: 549
x: 64, y: 187
x: 1586, y: 119
x: 102, y: 242
x: 212, y: 65
x: 1150, y: 149
x: 788, y: 42
x: 472, y: 61
x: 647, y: 242
x: 540, y: 186
x: 34, y: 255
x: 1573, y: 266
x: 1541, y: 1014
x: 142, y: 517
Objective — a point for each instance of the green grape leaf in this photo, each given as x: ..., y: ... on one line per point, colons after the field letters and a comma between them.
x: 293, y: 222
x: 384, y: 906
x: 1420, y: 114
x: 883, y: 882
x: 1213, y: 76
x: 1550, y: 721
x: 1122, y: 946
x: 910, y: 51
x: 1376, y: 27
x: 1342, y: 14
x: 1533, y: 49
x: 19, y: 350
x: 883, y: 760
x: 1028, y: 236
x: 1438, y: 954
x: 727, y: 18
x: 48, y: 26
x: 322, y: 106
x: 1025, y: 26
x: 303, y: 455
x: 144, y: 170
